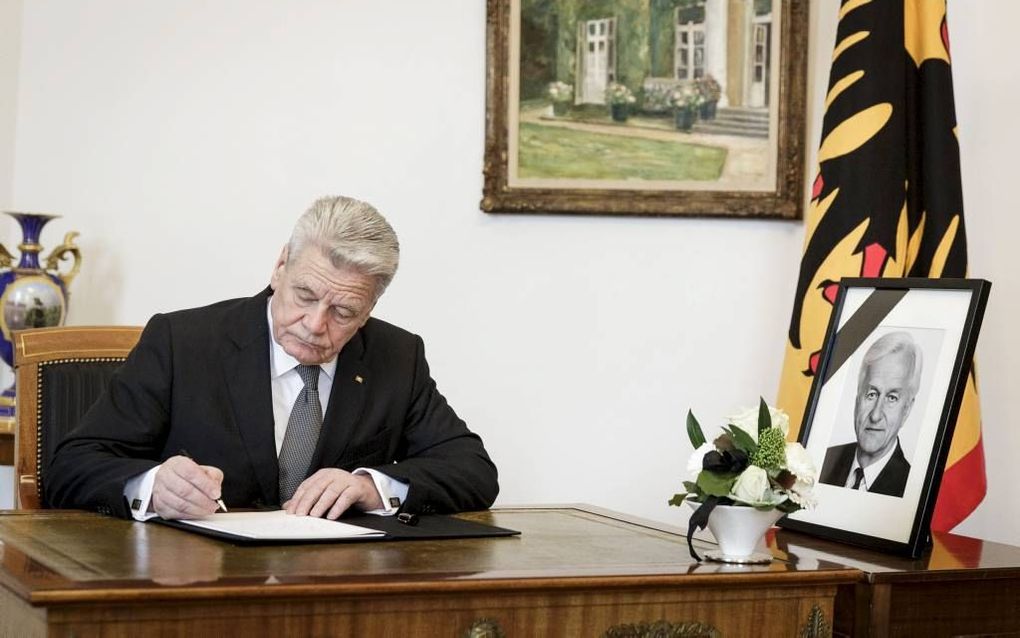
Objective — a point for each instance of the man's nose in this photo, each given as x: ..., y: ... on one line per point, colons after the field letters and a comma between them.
x: 315, y: 320
x: 876, y: 413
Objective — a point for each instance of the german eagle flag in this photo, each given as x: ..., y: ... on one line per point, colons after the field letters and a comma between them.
x: 887, y: 199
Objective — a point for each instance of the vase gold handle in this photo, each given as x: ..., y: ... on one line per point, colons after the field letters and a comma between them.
x: 6, y: 258
x: 59, y: 253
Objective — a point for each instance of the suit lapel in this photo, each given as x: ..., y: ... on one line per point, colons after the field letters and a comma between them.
x: 342, y: 421
x: 892, y: 478
x: 247, y: 377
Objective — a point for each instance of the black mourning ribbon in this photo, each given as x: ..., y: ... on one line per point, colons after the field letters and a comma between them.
x: 699, y: 519
x: 734, y: 461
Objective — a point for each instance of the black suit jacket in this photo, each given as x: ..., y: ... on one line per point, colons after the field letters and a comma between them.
x: 892, y: 480
x: 199, y: 380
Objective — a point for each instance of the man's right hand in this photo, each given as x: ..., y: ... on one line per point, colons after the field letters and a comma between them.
x: 185, y: 489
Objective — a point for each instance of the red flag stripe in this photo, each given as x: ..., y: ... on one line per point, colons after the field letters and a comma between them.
x: 962, y: 490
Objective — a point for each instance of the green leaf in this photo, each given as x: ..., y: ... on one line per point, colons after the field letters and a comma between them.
x: 694, y: 432
x: 677, y: 500
x: 713, y: 484
x: 764, y: 418
x: 743, y: 440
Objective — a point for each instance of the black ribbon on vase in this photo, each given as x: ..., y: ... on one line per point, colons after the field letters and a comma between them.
x: 699, y: 519
x: 730, y: 460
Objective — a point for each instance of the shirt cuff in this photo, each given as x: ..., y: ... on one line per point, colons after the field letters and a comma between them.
x: 391, y: 491
x: 138, y: 492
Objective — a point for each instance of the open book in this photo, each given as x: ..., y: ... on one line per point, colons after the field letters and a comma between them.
x: 277, y: 525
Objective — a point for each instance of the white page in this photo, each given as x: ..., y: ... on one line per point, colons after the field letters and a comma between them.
x: 279, y: 525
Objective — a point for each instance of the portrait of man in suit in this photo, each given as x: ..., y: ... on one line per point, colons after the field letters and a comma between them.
x: 296, y: 397
x: 887, y: 385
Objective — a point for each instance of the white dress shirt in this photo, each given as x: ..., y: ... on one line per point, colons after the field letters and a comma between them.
x: 285, y: 384
x: 870, y: 473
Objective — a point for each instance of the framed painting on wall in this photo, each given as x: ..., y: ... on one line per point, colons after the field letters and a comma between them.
x: 648, y: 107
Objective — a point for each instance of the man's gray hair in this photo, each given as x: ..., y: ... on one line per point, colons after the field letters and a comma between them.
x: 352, y: 234
x: 895, y: 343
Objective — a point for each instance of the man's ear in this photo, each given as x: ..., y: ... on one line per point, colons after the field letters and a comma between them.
x: 278, y: 268
x: 910, y: 406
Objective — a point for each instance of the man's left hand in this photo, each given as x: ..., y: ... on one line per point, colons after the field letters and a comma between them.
x: 330, y: 492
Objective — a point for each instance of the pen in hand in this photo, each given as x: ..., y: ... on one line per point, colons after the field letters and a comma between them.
x: 219, y: 501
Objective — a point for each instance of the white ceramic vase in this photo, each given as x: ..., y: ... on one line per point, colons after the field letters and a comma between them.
x: 739, y: 531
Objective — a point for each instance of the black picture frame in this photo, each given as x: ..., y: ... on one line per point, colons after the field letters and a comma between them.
x: 941, y: 319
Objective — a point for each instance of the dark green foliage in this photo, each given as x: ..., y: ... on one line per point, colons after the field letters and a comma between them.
x: 694, y: 432
x: 764, y: 418
x: 744, y: 442
x: 539, y: 29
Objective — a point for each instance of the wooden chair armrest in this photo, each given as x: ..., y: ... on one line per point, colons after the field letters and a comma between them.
x: 28, y: 492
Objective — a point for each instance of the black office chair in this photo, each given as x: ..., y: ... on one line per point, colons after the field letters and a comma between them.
x: 60, y: 373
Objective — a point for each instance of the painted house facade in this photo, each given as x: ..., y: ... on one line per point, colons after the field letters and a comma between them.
x: 640, y: 43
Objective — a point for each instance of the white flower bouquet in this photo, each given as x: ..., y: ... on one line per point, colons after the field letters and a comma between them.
x: 619, y: 94
x: 560, y: 92
x: 750, y: 464
x: 686, y: 97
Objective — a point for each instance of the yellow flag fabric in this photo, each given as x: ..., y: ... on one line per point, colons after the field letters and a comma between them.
x: 886, y: 200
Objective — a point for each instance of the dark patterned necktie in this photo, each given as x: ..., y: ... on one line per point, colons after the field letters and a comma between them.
x: 302, y: 434
x: 858, y: 478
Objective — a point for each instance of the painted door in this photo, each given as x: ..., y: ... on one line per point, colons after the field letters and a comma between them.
x: 598, y: 59
x: 689, y: 58
x: 760, y: 48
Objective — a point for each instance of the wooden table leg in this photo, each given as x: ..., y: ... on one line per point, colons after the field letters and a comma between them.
x: 6, y: 448
x: 881, y: 596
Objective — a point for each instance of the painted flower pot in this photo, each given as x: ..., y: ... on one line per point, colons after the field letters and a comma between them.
x: 620, y: 112
x: 560, y: 108
x: 685, y: 118
x: 707, y: 110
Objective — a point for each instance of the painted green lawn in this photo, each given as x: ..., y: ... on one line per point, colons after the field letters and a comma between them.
x: 554, y: 152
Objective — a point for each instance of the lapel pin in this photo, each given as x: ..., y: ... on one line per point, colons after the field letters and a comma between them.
x: 358, y: 378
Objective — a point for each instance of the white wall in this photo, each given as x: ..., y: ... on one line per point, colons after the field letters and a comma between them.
x: 10, y: 46
x: 987, y: 91
x: 182, y: 139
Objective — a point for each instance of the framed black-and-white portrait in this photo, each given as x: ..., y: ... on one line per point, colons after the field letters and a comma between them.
x: 883, y: 407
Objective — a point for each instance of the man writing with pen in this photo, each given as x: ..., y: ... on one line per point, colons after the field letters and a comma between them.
x: 295, y: 397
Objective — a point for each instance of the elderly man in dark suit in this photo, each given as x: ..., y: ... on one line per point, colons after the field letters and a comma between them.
x: 887, y: 386
x: 294, y: 397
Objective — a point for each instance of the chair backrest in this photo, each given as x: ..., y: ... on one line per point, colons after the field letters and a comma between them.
x: 60, y: 372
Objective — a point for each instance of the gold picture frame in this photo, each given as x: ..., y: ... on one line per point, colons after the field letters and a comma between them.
x: 580, y: 159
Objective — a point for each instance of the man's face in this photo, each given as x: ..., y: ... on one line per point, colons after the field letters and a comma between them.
x: 317, y: 308
x: 883, y: 403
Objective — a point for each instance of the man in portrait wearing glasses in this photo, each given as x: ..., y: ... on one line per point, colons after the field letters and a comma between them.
x: 887, y: 386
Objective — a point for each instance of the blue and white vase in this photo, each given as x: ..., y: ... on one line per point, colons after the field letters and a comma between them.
x: 32, y: 296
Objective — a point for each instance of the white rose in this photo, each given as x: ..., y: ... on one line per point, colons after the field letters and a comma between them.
x: 747, y: 420
x: 799, y: 463
x: 801, y: 494
x: 780, y: 420
x: 751, y: 486
x: 695, y: 463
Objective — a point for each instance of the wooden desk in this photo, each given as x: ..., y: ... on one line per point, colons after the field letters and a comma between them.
x: 574, y: 571
x: 6, y: 441
x: 960, y: 587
